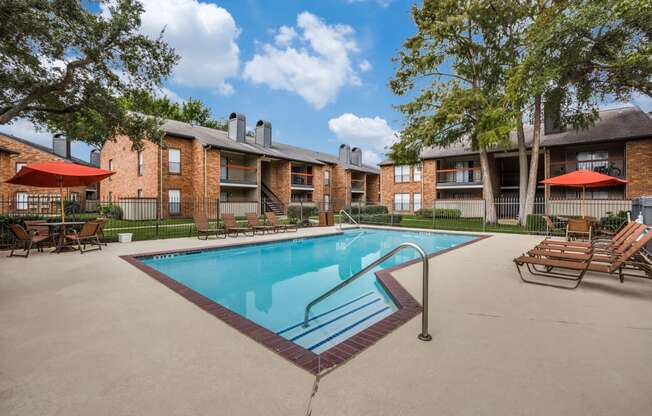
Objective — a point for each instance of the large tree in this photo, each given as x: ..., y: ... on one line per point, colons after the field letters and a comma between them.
x: 64, y: 67
x: 577, y: 54
x: 458, y: 63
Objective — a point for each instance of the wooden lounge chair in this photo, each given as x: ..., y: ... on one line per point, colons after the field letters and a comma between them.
x: 100, y: 230
x: 232, y: 227
x: 252, y: 219
x: 273, y: 220
x: 632, y: 229
x: 41, y: 229
x: 204, y: 229
x: 574, y: 270
x: 87, y: 235
x: 26, y: 240
x: 551, y: 227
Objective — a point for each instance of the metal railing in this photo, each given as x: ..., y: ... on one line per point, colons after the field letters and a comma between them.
x: 424, y: 335
x: 346, y: 214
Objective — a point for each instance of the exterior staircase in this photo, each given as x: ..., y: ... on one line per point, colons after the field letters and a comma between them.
x: 270, y: 202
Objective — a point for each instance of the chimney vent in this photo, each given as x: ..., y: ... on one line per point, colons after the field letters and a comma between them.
x: 345, y: 153
x: 95, y: 158
x: 61, y: 146
x: 356, y: 156
x: 237, y: 127
x: 552, y: 113
x: 264, y: 133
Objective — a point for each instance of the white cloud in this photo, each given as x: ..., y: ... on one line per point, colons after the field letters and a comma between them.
x: 203, y: 35
x: 171, y: 95
x: 642, y: 100
x: 364, y: 65
x: 372, y: 135
x: 381, y: 3
x: 312, y: 61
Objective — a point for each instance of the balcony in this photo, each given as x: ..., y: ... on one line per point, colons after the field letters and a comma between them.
x: 357, y: 186
x: 301, y: 180
x: 235, y: 175
x: 459, y: 178
x: 611, y: 166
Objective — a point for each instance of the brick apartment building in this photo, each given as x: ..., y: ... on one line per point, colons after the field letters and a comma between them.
x: 198, y: 163
x: 618, y: 144
x: 14, y: 154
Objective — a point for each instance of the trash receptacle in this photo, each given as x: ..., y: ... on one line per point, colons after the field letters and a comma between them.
x: 642, y: 206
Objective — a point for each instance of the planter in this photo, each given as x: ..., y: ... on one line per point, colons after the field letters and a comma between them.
x: 124, y: 237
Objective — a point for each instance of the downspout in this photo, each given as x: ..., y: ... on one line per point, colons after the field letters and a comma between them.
x: 160, y: 173
x: 205, y: 174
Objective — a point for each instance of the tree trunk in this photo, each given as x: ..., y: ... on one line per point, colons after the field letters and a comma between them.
x: 487, y: 187
x: 522, y: 168
x: 534, y: 159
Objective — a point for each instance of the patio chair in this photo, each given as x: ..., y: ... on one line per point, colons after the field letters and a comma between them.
x: 273, y: 220
x: 26, y: 240
x: 232, y: 227
x: 87, y: 235
x: 603, y: 243
x: 574, y: 270
x: 204, y: 229
x: 41, y: 229
x: 551, y: 227
x: 100, y: 230
x: 254, y: 223
x: 578, y: 227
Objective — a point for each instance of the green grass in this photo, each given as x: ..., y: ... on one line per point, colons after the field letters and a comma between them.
x: 460, y: 224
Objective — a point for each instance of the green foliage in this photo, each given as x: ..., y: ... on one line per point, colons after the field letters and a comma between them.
x: 368, y: 209
x: 379, y: 218
x: 614, y: 221
x: 71, y: 207
x: 295, y: 212
x: 5, y: 219
x: 447, y: 213
x: 110, y: 211
x: 535, y: 222
x: 66, y: 66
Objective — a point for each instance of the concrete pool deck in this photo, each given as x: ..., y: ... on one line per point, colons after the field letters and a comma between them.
x: 91, y: 334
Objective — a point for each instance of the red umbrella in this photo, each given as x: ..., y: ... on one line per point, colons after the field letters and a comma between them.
x: 584, y: 179
x: 58, y: 175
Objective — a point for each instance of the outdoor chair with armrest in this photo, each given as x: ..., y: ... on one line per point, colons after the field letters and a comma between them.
x: 87, y: 235
x: 41, y: 229
x: 204, y: 229
x: 26, y: 240
x: 578, y: 227
x: 232, y: 227
x: 274, y: 221
x: 254, y: 223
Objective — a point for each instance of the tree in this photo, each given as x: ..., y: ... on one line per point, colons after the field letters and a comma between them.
x: 465, y: 49
x: 63, y: 67
x: 191, y: 111
x: 577, y: 54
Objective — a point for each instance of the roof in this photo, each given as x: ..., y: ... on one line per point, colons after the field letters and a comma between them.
x: 43, y: 149
x: 622, y: 123
x: 8, y: 151
x: 220, y: 139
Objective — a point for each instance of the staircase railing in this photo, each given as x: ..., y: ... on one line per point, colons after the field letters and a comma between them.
x: 267, y: 192
x: 424, y: 335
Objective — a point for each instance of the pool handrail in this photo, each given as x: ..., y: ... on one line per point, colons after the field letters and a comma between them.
x: 424, y: 335
x: 350, y: 217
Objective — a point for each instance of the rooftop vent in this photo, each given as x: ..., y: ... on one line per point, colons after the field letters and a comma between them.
x: 237, y: 127
x: 345, y: 153
x: 552, y: 113
x: 61, y: 146
x: 95, y: 158
x: 356, y: 156
x: 264, y: 133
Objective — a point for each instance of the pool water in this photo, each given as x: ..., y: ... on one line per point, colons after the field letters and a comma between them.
x: 270, y: 284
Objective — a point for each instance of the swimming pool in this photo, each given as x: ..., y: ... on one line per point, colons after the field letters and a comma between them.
x: 270, y: 284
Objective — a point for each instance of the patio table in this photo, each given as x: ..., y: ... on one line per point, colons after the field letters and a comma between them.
x: 61, y: 228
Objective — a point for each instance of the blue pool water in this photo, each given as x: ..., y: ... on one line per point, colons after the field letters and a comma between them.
x: 271, y: 284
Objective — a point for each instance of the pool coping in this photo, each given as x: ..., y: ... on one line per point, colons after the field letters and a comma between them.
x: 407, y: 305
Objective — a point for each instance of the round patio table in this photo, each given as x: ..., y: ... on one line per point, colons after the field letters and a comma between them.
x: 61, y: 228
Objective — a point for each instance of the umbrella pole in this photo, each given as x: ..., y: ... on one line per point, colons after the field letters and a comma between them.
x: 61, y: 199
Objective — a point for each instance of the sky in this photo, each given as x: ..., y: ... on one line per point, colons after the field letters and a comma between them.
x: 318, y: 70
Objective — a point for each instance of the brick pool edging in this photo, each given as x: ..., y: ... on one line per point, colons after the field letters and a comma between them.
x: 408, y: 308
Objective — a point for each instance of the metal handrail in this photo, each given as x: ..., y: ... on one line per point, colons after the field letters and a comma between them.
x: 350, y: 217
x: 424, y: 335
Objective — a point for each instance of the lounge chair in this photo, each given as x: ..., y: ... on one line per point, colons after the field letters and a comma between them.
x: 232, y: 227
x: 575, y: 269
x: 204, y: 229
x: 100, y: 230
x: 87, y: 235
x: 41, y: 229
x: 632, y: 230
x: 273, y: 220
x: 551, y: 227
x: 26, y: 240
x: 252, y: 219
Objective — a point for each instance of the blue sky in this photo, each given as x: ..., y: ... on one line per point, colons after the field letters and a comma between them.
x: 318, y: 70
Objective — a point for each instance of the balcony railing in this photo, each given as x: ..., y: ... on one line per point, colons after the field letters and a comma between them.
x: 613, y: 167
x: 357, y: 185
x: 238, y: 174
x: 463, y: 176
x: 302, y: 179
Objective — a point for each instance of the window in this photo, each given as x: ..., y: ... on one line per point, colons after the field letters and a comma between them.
x: 21, y: 201
x: 141, y: 162
x: 401, y: 202
x: 327, y: 178
x: 416, y: 173
x: 174, y: 201
x: 174, y: 161
x: 327, y: 202
x: 597, y: 160
x: 19, y: 166
x: 416, y: 200
x: 74, y: 196
x: 402, y: 173
x: 140, y: 193
x: 111, y: 169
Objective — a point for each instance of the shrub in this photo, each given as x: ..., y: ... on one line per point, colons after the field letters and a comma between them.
x: 535, y: 222
x: 295, y: 211
x: 5, y: 235
x: 614, y: 221
x: 379, y: 218
x: 372, y: 210
x: 71, y: 207
x: 110, y: 211
x: 447, y: 213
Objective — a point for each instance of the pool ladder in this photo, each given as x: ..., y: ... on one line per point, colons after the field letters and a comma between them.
x: 424, y: 335
x: 350, y: 217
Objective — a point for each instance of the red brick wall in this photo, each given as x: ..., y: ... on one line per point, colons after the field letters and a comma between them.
x: 373, y: 188
x: 27, y: 154
x: 126, y: 181
x: 279, y: 180
x: 341, y: 187
x: 389, y: 187
x: 639, y: 168
x: 318, y: 183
